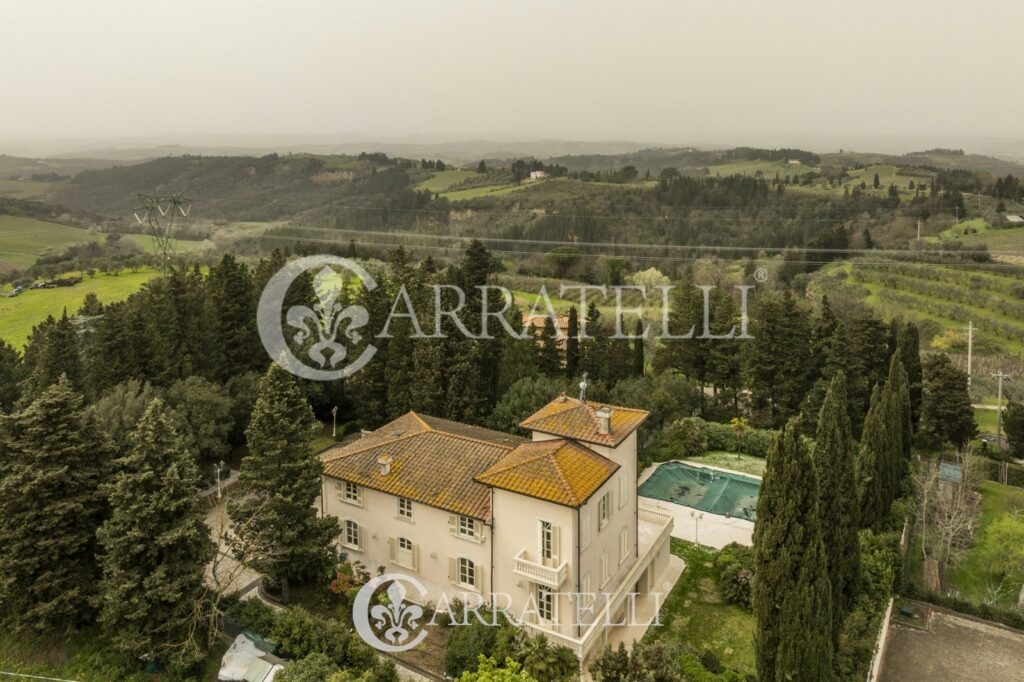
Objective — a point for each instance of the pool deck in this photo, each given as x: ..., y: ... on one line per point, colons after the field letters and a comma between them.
x: 713, y: 530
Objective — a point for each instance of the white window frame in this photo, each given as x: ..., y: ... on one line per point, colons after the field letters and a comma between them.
x: 405, y: 541
x: 465, y: 568
x: 352, y: 493
x: 547, y: 541
x: 623, y: 490
x: 604, y: 511
x: 405, y: 508
x: 467, y: 527
x: 545, y: 603
x: 352, y: 528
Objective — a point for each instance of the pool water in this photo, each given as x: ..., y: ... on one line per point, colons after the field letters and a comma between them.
x: 710, y: 490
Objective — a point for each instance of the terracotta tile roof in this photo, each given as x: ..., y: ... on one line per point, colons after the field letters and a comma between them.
x: 559, y: 471
x: 577, y: 419
x: 434, y: 462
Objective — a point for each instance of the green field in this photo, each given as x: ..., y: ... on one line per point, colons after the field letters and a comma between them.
x: 971, y: 576
x: 442, y: 180
x: 767, y: 168
x: 19, y: 314
x: 180, y: 245
x: 946, y: 297
x: 23, y: 240
x: 487, y: 191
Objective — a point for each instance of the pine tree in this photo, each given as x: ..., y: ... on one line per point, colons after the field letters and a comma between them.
x: 53, y: 352
x: 791, y: 593
x: 151, y: 590
x: 232, y: 307
x: 51, y: 504
x: 837, y: 501
x: 427, y: 385
x: 278, y: 532
x: 777, y: 358
x: 572, y: 344
x: 594, y: 350
x: 898, y: 386
x: 873, y: 461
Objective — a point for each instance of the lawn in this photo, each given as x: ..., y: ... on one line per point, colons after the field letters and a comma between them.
x: 745, y: 464
x: 23, y: 240
x: 695, y: 614
x: 442, y: 180
x: 970, y: 576
x: 766, y: 168
x: 19, y: 314
x: 487, y: 191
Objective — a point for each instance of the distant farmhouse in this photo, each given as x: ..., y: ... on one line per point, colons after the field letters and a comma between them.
x: 536, y: 324
x: 538, y: 175
x: 1015, y: 219
x: 550, y: 524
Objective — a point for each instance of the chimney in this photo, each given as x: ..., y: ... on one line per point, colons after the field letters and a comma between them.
x: 363, y: 433
x: 604, y: 420
x: 385, y: 464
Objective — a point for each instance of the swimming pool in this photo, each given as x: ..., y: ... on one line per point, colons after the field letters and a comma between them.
x: 710, y: 490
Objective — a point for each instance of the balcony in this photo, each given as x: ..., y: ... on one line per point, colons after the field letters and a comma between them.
x: 539, y: 573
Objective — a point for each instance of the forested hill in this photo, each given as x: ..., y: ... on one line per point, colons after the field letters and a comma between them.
x: 769, y: 198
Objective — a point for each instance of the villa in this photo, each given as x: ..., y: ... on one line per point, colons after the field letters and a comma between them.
x: 541, y: 522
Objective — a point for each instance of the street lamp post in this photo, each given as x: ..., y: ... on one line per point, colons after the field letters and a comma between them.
x: 334, y: 422
x: 220, y: 466
x: 696, y: 525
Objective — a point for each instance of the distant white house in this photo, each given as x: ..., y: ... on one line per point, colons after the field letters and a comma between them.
x: 538, y: 175
x: 793, y: 162
x: 1013, y: 218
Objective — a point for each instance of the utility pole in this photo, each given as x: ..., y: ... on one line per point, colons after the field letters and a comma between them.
x: 970, y: 349
x: 918, y: 230
x: 1000, y: 375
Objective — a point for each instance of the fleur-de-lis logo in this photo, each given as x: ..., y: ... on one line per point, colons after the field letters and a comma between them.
x: 397, y: 620
x: 325, y: 318
x: 318, y: 326
x: 395, y: 613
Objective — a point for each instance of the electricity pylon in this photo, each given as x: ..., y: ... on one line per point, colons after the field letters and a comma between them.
x: 158, y: 212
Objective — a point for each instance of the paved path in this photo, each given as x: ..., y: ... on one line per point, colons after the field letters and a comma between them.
x: 225, y: 570
x: 950, y: 648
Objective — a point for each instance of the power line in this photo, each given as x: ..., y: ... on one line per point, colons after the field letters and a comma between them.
x: 623, y: 245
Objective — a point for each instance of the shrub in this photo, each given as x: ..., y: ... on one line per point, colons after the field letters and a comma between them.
x: 734, y: 566
x: 253, y: 615
x: 302, y: 634
x: 312, y: 668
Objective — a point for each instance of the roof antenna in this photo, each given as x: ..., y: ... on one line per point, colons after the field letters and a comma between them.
x: 583, y: 388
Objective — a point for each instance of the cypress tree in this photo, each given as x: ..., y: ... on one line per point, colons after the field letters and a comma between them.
x: 427, y: 388
x: 639, y: 366
x: 232, y: 307
x: 873, y: 458
x: 572, y: 344
x: 549, y: 362
x: 908, y: 346
x: 151, y: 590
x: 946, y: 413
x: 51, y: 504
x: 277, y: 529
x: 837, y: 501
x: 791, y: 591
x: 899, y: 394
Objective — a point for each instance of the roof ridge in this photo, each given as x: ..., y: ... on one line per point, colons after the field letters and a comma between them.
x: 569, y: 405
x: 527, y: 460
x: 478, y: 440
x: 566, y: 485
x: 341, y: 455
x: 421, y: 420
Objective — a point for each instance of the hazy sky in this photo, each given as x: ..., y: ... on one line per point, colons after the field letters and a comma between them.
x: 678, y: 71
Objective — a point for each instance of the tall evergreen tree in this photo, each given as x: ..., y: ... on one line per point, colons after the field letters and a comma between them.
x: 594, y: 350
x: 278, y: 532
x: 53, y: 352
x: 946, y: 412
x: 232, y: 302
x: 150, y: 591
x: 572, y: 344
x: 51, y: 504
x: 908, y: 345
x: 549, y: 361
x: 777, y: 358
x: 427, y: 387
x: 874, y: 458
x: 837, y: 501
x: 792, y: 596
x: 899, y: 393
x: 11, y: 375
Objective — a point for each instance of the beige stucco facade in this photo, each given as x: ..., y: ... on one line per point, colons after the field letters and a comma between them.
x: 565, y: 571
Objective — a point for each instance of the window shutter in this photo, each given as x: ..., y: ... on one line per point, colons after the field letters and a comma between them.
x: 611, y: 500
x: 556, y: 539
x: 416, y: 557
x: 478, y: 577
x: 392, y: 555
x: 622, y: 491
x: 452, y: 569
x: 584, y: 529
x: 453, y: 524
